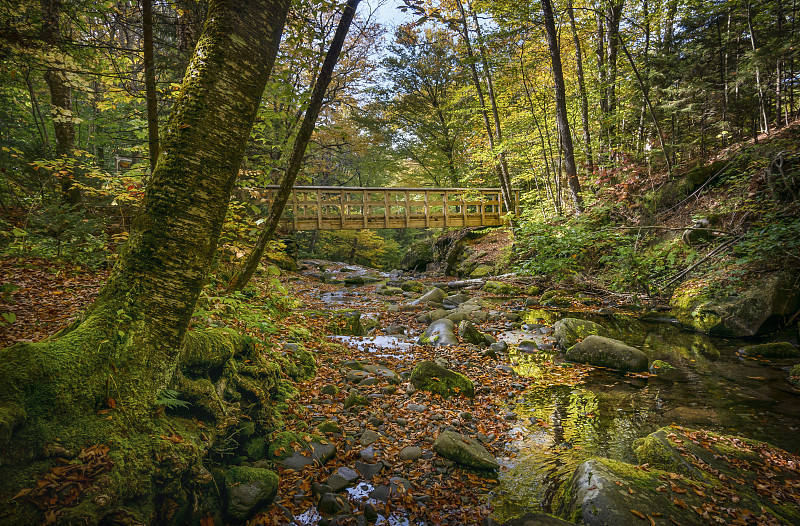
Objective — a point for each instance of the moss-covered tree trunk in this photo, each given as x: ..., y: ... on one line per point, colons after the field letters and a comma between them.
x: 128, y: 344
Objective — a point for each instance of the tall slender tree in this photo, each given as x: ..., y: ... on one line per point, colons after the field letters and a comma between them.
x: 562, y: 119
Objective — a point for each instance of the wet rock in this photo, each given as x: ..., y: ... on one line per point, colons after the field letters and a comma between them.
x: 419, y: 408
x: 756, y: 310
x: 428, y: 376
x: 489, y: 353
x: 332, y: 504
x: 353, y: 280
x: 435, y: 295
x: 606, y: 352
x: 468, y: 333
x: 794, y: 375
x: 248, y: 490
x: 457, y: 317
x: 395, y: 329
x: 771, y: 350
x: 315, y: 453
x: 569, y: 330
x: 440, y: 333
x: 527, y: 346
x: 410, y: 453
x: 369, y: 470
x: 666, y: 371
x: 506, y: 369
x: 464, y: 451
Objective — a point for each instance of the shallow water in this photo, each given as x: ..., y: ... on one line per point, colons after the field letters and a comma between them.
x: 560, y: 426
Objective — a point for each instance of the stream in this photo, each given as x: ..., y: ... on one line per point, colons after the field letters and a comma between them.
x: 561, y: 426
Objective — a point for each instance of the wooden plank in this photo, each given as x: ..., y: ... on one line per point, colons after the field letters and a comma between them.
x: 427, y: 211
x: 386, y: 207
x: 364, y: 206
x: 406, y: 204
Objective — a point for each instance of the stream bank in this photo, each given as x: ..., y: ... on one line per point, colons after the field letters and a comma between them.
x: 539, y: 417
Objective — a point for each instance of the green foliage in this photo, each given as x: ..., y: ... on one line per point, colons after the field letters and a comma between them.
x: 362, y: 247
x: 776, y: 237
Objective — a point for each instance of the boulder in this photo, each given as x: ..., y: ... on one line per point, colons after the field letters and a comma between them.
x: 431, y: 377
x: 383, y: 372
x: 481, y: 271
x: 527, y: 346
x: 435, y: 295
x: 249, y: 489
x: 455, y: 300
x: 464, y: 451
x: 606, y: 352
x: 569, y: 330
x: 794, y: 375
x: 440, y: 333
x: 771, y: 350
x: 760, y: 308
x: 468, y: 333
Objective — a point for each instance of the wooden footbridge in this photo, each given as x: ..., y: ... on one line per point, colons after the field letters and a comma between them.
x: 353, y: 208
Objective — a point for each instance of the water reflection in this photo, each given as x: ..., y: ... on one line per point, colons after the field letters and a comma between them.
x: 563, y: 425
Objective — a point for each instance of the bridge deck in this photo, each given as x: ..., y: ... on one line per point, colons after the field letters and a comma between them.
x: 353, y: 208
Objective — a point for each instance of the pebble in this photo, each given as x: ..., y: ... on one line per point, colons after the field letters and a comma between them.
x: 466, y: 415
x: 416, y: 407
x: 401, y: 422
x: 369, y: 470
x: 369, y: 437
x: 337, y: 482
x: 367, y: 455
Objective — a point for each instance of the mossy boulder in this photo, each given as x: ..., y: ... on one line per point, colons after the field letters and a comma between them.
x: 433, y: 378
x: 464, y: 450
x: 710, y: 307
x: 771, y: 350
x: 794, y: 375
x: 345, y: 322
x: 388, y: 290
x: 481, y: 271
x: 607, y: 352
x: 413, y: 286
x: 468, y: 333
x: 569, y: 331
x: 329, y: 427
x: 249, y: 489
x: 355, y: 400
x: 536, y: 519
x: 501, y: 288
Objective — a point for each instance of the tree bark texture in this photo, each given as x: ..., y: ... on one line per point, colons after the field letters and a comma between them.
x: 298, y: 150
x: 150, y: 82
x: 60, y: 98
x: 587, y: 138
x: 132, y: 334
x: 561, y: 108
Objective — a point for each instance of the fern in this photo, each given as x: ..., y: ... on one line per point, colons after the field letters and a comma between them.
x: 169, y: 399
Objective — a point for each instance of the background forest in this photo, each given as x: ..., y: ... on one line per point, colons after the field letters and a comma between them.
x: 464, y: 94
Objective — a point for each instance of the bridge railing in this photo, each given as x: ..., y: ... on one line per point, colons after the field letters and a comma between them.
x: 352, y: 208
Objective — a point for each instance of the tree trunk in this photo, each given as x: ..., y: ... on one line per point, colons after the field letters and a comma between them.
x: 762, y: 104
x: 298, y: 150
x: 60, y: 97
x: 505, y: 181
x: 587, y: 139
x: 128, y: 344
x: 150, y: 82
x: 471, y: 59
x: 561, y: 109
